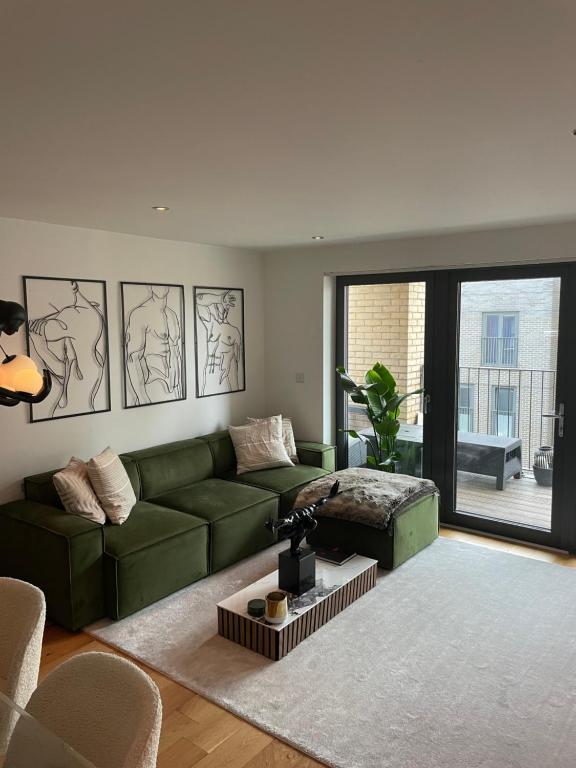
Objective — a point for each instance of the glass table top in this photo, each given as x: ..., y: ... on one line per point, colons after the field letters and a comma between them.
x: 26, y: 743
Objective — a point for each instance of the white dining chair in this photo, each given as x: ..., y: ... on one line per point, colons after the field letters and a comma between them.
x: 22, y: 618
x: 103, y: 706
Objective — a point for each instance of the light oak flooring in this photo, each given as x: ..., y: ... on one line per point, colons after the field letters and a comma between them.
x: 196, y: 732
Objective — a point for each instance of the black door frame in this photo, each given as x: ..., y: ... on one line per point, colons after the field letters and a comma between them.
x: 342, y: 284
x: 440, y: 382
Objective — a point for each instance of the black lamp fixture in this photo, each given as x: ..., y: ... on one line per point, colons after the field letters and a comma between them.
x: 20, y: 380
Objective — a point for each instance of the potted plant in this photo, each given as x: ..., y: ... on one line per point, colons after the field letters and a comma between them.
x: 382, y: 401
x: 543, y: 466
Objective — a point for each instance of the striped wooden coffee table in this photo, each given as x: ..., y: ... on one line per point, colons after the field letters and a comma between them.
x: 337, y: 586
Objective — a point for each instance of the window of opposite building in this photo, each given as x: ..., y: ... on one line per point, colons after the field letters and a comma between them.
x: 466, y: 408
x: 500, y: 339
x: 505, y: 411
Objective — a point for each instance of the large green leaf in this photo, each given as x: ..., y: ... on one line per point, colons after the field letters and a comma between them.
x: 385, y: 376
x: 373, y: 381
x: 357, y: 435
x: 395, y: 402
x: 348, y: 384
x: 387, y: 426
x: 375, y: 403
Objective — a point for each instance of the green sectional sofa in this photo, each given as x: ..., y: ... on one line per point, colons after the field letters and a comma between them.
x: 194, y: 515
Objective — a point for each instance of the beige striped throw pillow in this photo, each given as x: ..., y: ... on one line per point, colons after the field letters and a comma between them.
x: 259, y: 445
x: 112, y: 486
x: 287, y: 437
x: 76, y: 493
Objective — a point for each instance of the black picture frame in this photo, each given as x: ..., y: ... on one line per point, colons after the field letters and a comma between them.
x: 130, y: 388
x: 100, y: 353
x: 201, y: 353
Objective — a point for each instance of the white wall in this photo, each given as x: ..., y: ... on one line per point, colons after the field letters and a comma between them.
x: 300, y: 302
x: 43, y: 249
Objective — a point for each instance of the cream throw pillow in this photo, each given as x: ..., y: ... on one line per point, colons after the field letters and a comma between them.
x: 287, y: 436
x: 259, y: 445
x: 76, y: 492
x: 112, y: 486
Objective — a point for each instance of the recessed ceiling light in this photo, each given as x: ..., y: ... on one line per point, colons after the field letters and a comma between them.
x: 160, y: 208
x: 317, y: 237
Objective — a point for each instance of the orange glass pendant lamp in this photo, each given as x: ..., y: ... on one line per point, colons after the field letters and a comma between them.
x: 20, y: 379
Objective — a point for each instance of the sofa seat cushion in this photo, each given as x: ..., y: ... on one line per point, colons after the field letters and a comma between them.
x: 236, y: 514
x: 285, y: 481
x: 154, y: 553
x: 214, y: 499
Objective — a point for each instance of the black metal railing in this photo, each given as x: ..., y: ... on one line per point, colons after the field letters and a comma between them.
x: 499, y: 401
x: 509, y: 402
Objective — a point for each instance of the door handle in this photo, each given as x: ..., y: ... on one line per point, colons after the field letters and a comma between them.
x: 427, y: 403
x: 559, y: 417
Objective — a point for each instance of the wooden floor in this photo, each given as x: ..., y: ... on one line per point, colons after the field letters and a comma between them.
x: 196, y: 732
x: 522, y: 501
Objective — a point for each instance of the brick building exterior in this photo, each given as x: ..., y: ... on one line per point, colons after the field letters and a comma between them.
x: 386, y: 325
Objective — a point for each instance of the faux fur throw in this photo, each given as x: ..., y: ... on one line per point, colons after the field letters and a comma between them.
x: 368, y: 496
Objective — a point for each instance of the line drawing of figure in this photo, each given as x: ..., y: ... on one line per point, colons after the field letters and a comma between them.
x: 71, y: 344
x: 223, y: 349
x: 153, y: 349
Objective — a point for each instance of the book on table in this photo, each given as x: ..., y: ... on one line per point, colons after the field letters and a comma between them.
x: 334, y: 555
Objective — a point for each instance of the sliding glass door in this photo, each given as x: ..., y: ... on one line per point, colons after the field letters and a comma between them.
x: 495, y: 351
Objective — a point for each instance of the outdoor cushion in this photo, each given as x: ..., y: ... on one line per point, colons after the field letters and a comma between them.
x: 236, y: 513
x: 154, y: 553
x: 173, y: 465
x: 286, y: 481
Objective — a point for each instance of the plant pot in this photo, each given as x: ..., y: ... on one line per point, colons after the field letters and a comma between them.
x: 543, y: 476
x: 543, y: 466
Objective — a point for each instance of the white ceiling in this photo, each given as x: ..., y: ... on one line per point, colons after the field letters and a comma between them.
x: 264, y: 122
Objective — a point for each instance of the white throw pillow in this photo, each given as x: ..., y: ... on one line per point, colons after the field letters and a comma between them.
x: 287, y: 436
x: 76, y: 492
x: 260, y: 445
x: 112, y: 486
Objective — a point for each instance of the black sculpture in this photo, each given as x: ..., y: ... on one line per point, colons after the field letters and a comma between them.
x: 12, y: 317
x: 297, y: 566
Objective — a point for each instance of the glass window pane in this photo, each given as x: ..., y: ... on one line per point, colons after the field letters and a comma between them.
x: 386, y: 324
x: 509, y: 326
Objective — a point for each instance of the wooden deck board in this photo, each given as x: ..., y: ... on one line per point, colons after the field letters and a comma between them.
x: 522, y: 501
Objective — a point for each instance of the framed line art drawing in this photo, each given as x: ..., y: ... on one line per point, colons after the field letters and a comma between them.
x: 67, y: 333
x: 153, y: 343
x: 219, y: 340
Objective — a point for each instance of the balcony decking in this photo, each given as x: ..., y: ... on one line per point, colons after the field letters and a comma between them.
x: 523, y: 501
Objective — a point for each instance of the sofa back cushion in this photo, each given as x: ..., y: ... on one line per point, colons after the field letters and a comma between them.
x: 173, y: 465
x: 41, y: 487
x: 222, y: 450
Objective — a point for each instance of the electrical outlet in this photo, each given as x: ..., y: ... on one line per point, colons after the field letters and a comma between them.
x: 299, y: 378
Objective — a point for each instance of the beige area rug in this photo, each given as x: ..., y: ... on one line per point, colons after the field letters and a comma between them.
x: 464, y: 657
